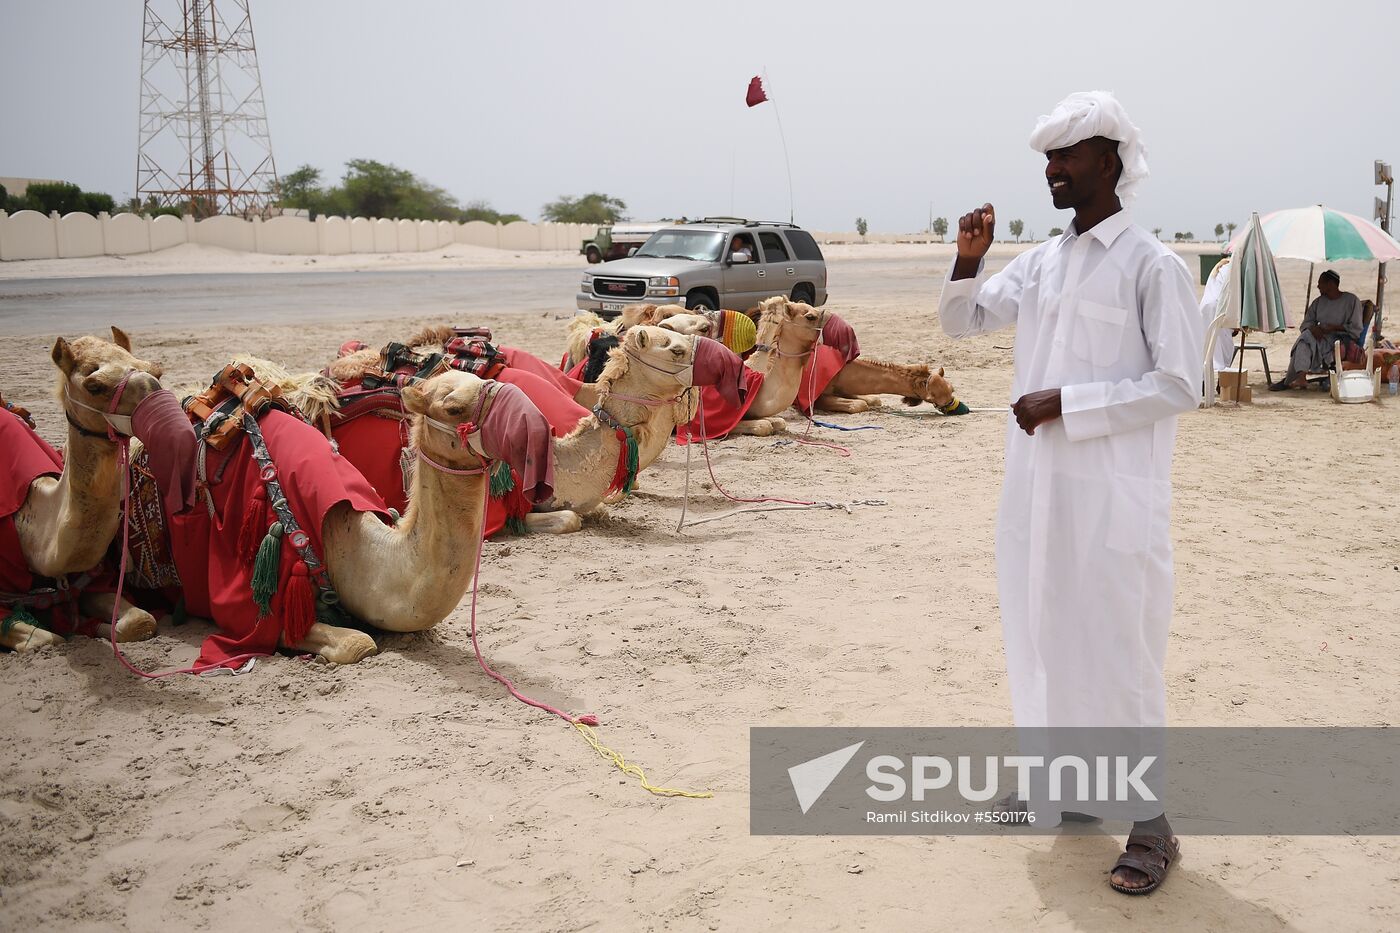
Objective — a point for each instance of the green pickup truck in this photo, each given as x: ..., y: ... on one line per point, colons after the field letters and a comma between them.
x: 616, y: 241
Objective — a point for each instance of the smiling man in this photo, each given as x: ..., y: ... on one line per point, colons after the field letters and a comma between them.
x: 1108, y: 353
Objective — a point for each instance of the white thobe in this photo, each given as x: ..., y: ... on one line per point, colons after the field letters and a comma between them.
x: 1084, y: 555
x: 1216, y: 285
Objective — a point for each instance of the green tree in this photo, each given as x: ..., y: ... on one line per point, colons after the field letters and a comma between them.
x: 377, y: 189
x: 1219, y: 231
x: 301, y: 188
x: 4, y: 197
x: 1017, y: 227
x: 861, y: 226
x: 1056, y: 231
x: 60, y: 196
x: 1157, y: 232
x: 592, y: 208
x: 940, y: 227
x: 481, y: 210
x: 1230, y: 229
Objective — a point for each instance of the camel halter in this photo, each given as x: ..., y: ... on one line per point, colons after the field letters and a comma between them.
x: 117, y: 425
x: 467, y: 433
x: 778, y: 351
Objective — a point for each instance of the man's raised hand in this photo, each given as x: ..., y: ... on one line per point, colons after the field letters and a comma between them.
x: 975, y: 233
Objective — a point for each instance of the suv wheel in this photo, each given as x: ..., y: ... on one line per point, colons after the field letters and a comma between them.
x: 594, y: 255
x: 804, y: 294
x: 699, y: 301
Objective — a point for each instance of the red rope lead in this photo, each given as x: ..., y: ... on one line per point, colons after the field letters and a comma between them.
x: 587, y: 719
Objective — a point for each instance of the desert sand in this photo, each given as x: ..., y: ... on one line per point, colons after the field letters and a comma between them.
x: 409, y: 792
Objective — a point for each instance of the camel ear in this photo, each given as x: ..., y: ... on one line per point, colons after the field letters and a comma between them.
x: 415, y: 399
x: 120, y: 338
x: 63, y: 356
x: 640, y: 338
x: 940, y: 370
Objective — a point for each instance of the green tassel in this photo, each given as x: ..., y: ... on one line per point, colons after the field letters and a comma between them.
x: 633, y: 462
x: 17, y: 615
x: 501, y: 480
x: 516, y: 525
x: 267, y: 568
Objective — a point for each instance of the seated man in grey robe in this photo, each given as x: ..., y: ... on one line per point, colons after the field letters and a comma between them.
x: 1334, y: 315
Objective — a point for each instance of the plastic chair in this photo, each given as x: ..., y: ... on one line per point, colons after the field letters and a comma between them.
x: 1355, y: 385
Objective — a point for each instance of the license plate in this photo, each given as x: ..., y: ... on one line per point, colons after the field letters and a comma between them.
x: 614, y: 306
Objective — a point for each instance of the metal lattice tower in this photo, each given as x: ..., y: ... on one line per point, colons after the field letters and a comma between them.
x: 203, y: 136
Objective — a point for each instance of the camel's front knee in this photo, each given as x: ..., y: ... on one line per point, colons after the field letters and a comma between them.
x: 133, y: 625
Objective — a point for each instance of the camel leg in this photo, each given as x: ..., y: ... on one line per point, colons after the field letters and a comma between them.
x: 758, y: 427
x: 134, y: 625
x: 779, y: 423
x: 872, y: 401
x: 21, y: 636
x: 553, y: 523
x: 337, y: 645
x: 845, y: 406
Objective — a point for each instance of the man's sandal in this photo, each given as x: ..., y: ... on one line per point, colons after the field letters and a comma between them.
x: 1154, y: 863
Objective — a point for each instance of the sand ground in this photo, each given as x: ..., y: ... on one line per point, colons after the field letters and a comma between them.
x: 410, y: 793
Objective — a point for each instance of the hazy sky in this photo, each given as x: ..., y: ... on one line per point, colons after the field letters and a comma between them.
x: 888, y: 106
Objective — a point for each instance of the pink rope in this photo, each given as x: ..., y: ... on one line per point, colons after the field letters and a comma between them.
x: 705, y: 446
x: 587, y: 719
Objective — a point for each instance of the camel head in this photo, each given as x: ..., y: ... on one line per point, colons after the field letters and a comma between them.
x: 791, y: 326
x: 938, y: 390
x: 689, y: 322
x: 656, y: 363
x: 443, y: 406
x: 93, y: 373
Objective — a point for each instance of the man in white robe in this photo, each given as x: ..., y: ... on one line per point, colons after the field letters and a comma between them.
x: 1108, y: 353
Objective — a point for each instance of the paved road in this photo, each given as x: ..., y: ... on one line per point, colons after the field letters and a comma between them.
x: 29, y: 306
x: 148, y: 303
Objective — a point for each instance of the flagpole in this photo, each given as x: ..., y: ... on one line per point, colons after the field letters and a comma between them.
x: 783, y: 136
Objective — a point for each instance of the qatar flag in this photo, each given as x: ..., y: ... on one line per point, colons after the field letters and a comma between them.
x: 756, y: 95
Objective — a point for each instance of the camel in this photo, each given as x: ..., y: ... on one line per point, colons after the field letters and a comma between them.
x: 860, y: 383
x: 787, y: 332
x: 66, y: 525
x: 585, y: 325
x: 649, y: 364
x: 409, y: 576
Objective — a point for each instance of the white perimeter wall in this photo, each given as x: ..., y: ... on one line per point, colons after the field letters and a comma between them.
x: 31, y: 235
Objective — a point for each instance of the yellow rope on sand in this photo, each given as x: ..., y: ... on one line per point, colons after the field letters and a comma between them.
x: 627, y: 768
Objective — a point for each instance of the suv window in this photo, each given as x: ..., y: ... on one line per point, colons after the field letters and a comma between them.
x: 699, y: 245
x: 803, y: 245
x: 773, y: 249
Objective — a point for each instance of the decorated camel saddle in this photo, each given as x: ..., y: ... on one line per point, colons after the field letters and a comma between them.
x: 283, y: 542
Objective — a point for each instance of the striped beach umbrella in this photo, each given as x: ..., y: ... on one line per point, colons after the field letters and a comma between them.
x: 1320, y: 234
x: 1254, y: 300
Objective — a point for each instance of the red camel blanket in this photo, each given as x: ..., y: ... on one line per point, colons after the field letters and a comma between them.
x: 372, y: 434
x: 213, y: 553
x: 720, y: 413
x: 24, y: 457
x: 822, y: 367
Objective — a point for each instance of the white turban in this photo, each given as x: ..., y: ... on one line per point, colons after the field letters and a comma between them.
x: 1088, y: 114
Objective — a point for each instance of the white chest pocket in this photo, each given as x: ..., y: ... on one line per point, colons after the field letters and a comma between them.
x: 1098, y: 332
